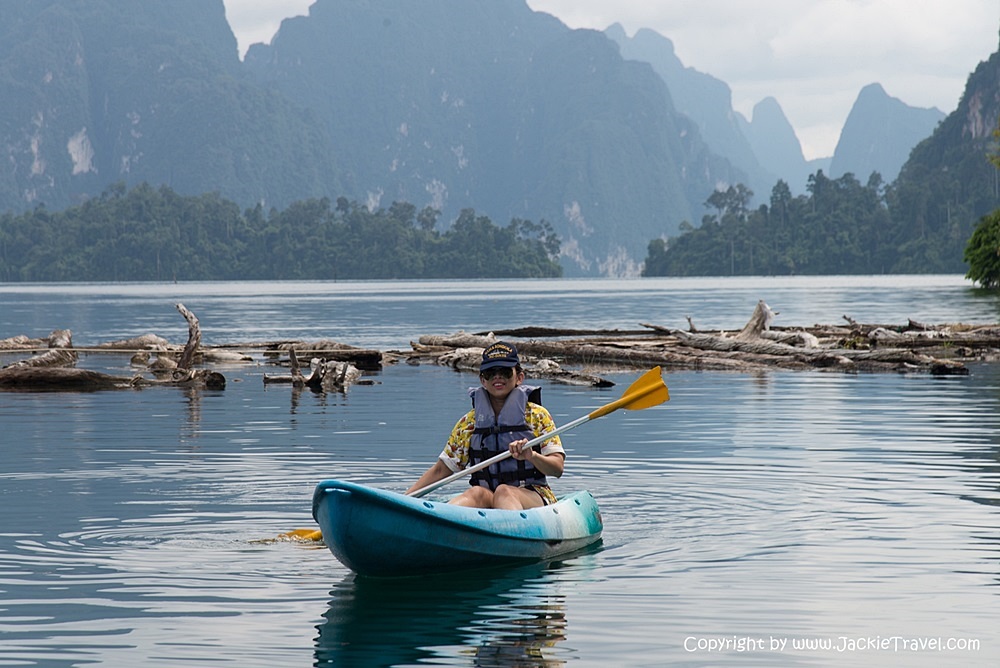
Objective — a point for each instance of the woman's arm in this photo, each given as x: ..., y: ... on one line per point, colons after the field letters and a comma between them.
x: 436, y: 472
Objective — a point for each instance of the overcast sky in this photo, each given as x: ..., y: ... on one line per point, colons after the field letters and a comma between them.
x: 813, y: 56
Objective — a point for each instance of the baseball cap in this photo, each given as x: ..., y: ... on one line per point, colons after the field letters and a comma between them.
x: 499, y: 354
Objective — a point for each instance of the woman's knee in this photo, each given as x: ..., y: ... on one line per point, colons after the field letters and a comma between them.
x: 508, y: 497
x: 474, y: 497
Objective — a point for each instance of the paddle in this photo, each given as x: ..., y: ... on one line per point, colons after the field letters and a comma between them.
x: 649, y: 390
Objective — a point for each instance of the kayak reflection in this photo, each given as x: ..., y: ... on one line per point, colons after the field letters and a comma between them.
x: 491, y: 617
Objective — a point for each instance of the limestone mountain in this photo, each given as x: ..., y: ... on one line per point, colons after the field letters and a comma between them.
x: 101, y: 91
x: 490, y: 105
x: 879, y: 134
x: 703, y: 98
x: 775, y: 144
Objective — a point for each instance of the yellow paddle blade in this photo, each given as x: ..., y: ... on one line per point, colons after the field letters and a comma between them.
x: 649, y: 390
x: 302, y: 534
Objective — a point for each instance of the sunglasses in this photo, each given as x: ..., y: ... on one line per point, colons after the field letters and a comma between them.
x: 502, y: 371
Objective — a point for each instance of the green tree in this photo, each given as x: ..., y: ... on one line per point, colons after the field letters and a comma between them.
x: 839, y: 227
x: 656, y: 258
x: 149, y: 234
x: 982, y: 252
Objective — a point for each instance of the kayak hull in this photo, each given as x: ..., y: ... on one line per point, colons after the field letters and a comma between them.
x: 386, y: 534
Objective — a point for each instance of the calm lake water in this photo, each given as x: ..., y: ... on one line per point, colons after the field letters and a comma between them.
x: 773, y: 519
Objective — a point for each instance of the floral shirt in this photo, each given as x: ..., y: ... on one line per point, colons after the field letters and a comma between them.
x: 456, y: 452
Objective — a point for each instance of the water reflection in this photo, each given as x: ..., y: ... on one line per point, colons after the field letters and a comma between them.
x: 497, y: 618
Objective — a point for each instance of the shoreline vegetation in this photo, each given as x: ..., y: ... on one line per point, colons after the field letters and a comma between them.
x: 156, y: 234
x: 570, y: 356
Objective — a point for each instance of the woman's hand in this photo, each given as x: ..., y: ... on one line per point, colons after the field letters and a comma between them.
x: 518, y: 451
x: 548, y: 464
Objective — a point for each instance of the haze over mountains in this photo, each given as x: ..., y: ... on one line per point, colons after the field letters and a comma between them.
x: 446, y: 103
x: 877, y: 136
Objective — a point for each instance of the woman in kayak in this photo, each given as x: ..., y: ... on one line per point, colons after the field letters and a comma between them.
x: 505, y: 415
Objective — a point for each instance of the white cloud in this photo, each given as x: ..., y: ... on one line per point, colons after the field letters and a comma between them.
x: 256, y: 21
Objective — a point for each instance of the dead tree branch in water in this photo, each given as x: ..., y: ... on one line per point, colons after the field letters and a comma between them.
x: 54, y: 370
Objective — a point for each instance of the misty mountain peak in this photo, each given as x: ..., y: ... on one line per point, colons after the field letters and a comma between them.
x: 879, y: 134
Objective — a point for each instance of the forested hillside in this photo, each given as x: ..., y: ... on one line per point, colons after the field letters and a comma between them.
x: 839, y: 227
x: 155, y: 234
x: 948, y: 183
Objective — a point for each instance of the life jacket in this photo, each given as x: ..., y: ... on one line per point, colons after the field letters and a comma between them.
x: 494, y: 433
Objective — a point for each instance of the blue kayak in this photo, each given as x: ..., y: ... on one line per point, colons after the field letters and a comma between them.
x: 381, y: 533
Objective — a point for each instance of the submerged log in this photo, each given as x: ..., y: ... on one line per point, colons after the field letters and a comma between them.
x: 214, y: 356
x: 59, y: 378
x: 843, y: 358
x: 162, y: 364
x: 541, y: 332
x: 212, y: 380
x: 54, y: 370
x: 752, y: 340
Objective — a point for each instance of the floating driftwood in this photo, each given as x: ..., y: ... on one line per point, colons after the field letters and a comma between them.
x: 22, y: 342
x: 362, y: 358
x: 326, y: 376
x: 59, y: 354
x: 574, y: 356
x: 295, y: 379
x: 143, y: 342
x: 55, y: 369
x: 757, y: 346
x: 185, y: 374
x: 465, y: 352
x: 59, y: 378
